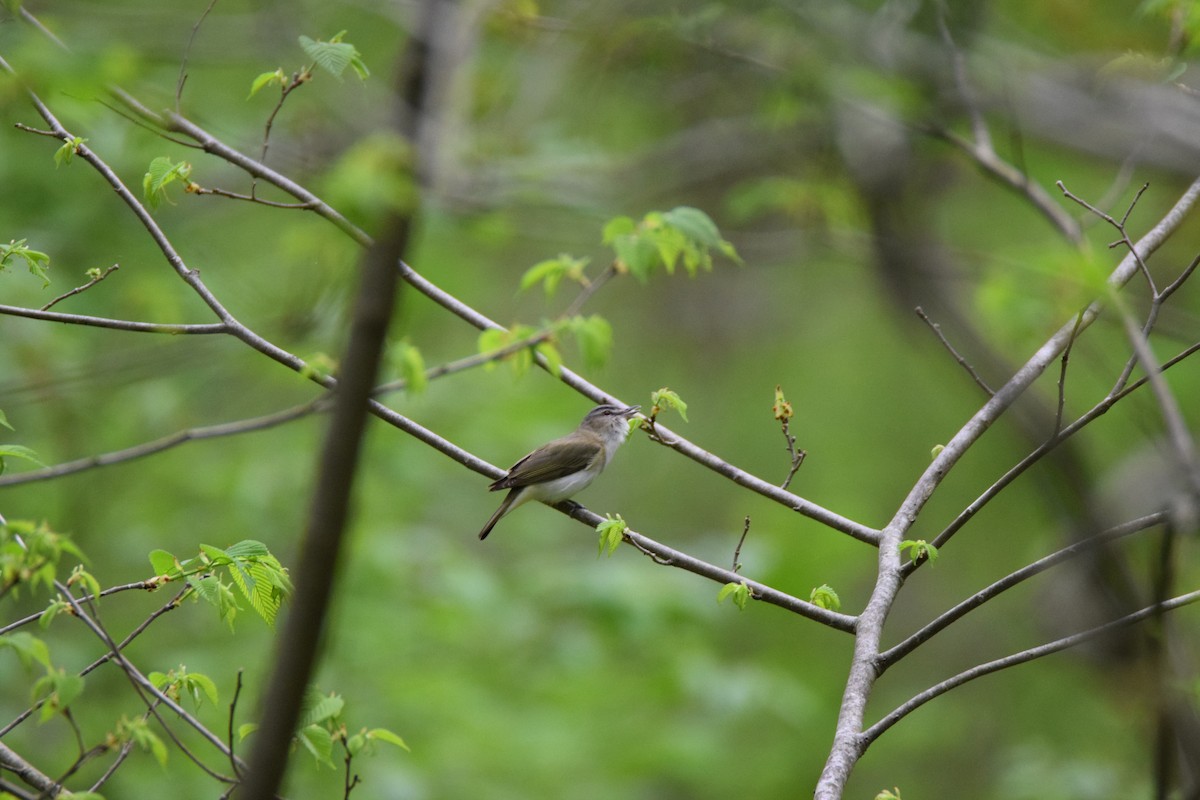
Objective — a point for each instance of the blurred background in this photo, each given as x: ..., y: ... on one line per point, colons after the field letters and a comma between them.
x: 820, y: 138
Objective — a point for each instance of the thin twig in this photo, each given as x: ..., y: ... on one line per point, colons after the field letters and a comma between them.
x: 873, y: 733
x: 737, y: 551
x: 165, y: 443
x: 200, y: 190
x: 796, y: 456
x: 183, y: 75
x: 962, y: 362
x: 1062, y: 376
x: 99, y: 277
x: 1094, y: 413
x: 116, y: 324
x: 942, y: 621
x: 237, y: 693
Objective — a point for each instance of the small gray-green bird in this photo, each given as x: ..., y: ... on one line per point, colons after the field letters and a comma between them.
x: 559, y: 469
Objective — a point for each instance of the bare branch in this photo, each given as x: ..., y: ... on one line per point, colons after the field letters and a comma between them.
x: 183, y: 75
x: 962, y: 362
x: 737, y: 551
x: 116, y: 324
x: 99, y: 277
x: 848, y: 744
x: 873, y: 733
x: 942, y: 621
x: 165, y: 443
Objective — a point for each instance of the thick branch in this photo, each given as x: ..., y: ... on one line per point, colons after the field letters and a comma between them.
x: 848, y: 745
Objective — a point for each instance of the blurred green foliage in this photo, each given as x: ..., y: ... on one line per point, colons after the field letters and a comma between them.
x: 526, y: 667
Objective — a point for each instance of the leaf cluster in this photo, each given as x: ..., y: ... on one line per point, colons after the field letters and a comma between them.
x: 249, y: 566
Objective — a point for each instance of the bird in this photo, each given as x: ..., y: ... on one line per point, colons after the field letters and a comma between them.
x: 559, y: 469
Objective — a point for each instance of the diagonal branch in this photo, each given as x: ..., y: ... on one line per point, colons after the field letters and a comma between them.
x: 1022, y: 657
x: 943, y: 621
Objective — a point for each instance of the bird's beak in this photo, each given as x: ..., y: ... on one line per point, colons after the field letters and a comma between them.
x: 629, y: 412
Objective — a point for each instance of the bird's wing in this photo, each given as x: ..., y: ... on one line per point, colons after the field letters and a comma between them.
x: 540, y: 466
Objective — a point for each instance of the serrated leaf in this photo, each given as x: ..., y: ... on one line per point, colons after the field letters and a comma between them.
x: 198, y: 683
x: 335, y: 55
x: 319, y: 707
x: 247, y: 548
x: 825, y: 597
x: 666, y: 400
x: 612, y: 533
x: 317, y: 741
x: 159, y: 175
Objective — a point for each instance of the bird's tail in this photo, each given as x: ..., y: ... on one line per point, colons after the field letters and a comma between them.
x: 500, y: 512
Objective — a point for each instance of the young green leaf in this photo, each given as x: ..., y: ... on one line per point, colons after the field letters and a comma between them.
x: 4, y: 422
x: 266, y: 79
x: 825, y: 597
x: 18, y: 451
x: 553, y: 358
x: 70, y: 147
x: 612, y: 533
x: 81, y: 575
x: 617, y: 227
x: 550, y: 273
x: 739, y: 591
x: 335, y: 55
x: 161, y: 173
x: 318, y: 741
x: 320, y: 707
x: 919, y: 550
x: 595, y: 337
x: 384, y: 735
x: 28, y: 648
x: 37, y: 261
x: 411, y: 366
x: 666, y: 400
x: 200, y: 686
x: 163, y: 563
x: 58, y: 690
x: 694, y: 224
